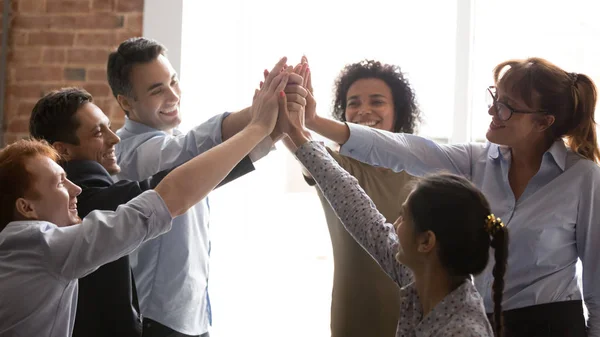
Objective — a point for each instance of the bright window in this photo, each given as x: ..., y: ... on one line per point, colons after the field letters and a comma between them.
x: 566, y: 35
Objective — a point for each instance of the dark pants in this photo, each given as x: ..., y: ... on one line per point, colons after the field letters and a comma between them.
x: 557, y: 319
x: 154, y: 329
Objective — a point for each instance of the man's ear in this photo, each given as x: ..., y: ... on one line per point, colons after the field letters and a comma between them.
x: 25, y: 209
x: 64, y: 150
x: 125, y: 103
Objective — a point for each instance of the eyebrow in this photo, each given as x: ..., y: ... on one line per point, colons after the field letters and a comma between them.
x: 159, y: 84
x: 372, y: 96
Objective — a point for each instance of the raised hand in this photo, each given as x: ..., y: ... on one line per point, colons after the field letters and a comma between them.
x: 291, y: 122
x: 295, y: 92
x: 311, y: 105
x: 265, y: 104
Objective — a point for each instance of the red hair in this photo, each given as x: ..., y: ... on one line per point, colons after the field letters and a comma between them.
x: 15, y: 180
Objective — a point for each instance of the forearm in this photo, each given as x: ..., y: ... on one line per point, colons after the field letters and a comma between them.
x: 235, y: 123
x: 192, y: 181
x: 329, y: 128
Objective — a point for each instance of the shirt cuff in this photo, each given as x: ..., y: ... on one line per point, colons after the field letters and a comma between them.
x: 219, y: 127
x: 360, y: 143
x: 262, y: 149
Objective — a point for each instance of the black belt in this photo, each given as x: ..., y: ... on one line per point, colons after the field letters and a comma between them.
x: 556, y: 319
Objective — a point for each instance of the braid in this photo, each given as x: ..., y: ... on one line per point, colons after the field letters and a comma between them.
x: 500, y: 245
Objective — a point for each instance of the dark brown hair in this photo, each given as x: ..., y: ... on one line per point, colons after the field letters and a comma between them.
x: 53, y: 117
x: 457, y: 213
x: 121, y: 61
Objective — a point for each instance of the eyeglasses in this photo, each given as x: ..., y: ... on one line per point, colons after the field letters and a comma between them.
x: 502, y: 110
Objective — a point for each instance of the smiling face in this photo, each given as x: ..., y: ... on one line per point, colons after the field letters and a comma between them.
x: 51, y: 196
x: 369, y: 102
x: 524, y: 126
x: 96, y: 140
x: 155, y: 95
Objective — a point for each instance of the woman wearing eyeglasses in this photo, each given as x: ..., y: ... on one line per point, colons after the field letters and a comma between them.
x: 539, y: 172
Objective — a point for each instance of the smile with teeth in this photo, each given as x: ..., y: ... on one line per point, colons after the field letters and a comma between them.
x: 170, y: 112
x: 110, y: 155
x: 368, y: 123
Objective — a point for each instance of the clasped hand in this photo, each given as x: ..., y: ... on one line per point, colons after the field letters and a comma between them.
x: 295, y: 101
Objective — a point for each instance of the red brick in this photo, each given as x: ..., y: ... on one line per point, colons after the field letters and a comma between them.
x: 71, y: 22
x: 99, y: 21
x: 99, y: 90
x: 18, y: 38
x: 104, y: 39
x: 12, y: 75
x: 102, y: 103
x: 39, y: 74
x: 54, y: 55
x: 88, y: 56
x: 24, y: 91
x: 51, y: 38
x: 11, y: 108
x: 75, y: 74
x: 33, y: 21
x: 96, y: 74
x: 67, y: 6
x: 25, y: 55
x: 117, y: 118
x: 30, y: 6
x: 103, y: 5
x: 25, y: 107
x: 134, y: 22
x: 19, y: 124
x: 125, y: 35
x: 130, y: 5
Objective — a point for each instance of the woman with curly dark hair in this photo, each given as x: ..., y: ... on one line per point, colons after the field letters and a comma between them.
x: 398, y: 112
x: 365, y: 301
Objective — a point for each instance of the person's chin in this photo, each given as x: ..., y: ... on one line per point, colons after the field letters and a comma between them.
x: 112, y: 168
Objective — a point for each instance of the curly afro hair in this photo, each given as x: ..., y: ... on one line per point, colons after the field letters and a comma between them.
x: 407, y: 111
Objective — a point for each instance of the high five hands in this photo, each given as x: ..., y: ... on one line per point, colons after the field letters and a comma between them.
x: 295, y: 106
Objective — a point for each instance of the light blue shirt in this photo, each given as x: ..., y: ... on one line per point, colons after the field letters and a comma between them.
x: 41, y: 262
x: 551, y: 225
x: 172, y: 271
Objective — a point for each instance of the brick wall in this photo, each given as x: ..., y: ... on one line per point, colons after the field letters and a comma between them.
x: 57, y: 43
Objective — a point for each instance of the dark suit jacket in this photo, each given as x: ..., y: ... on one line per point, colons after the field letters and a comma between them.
x: 107, y: 304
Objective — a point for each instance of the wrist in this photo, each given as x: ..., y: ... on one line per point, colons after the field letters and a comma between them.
x: 299, y: 137
x: 258, y: 128
x: 313, y: 122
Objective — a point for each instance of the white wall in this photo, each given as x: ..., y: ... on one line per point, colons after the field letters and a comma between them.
x: 163, y: 22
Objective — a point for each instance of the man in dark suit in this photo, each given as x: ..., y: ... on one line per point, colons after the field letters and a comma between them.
x: 70, y: 121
